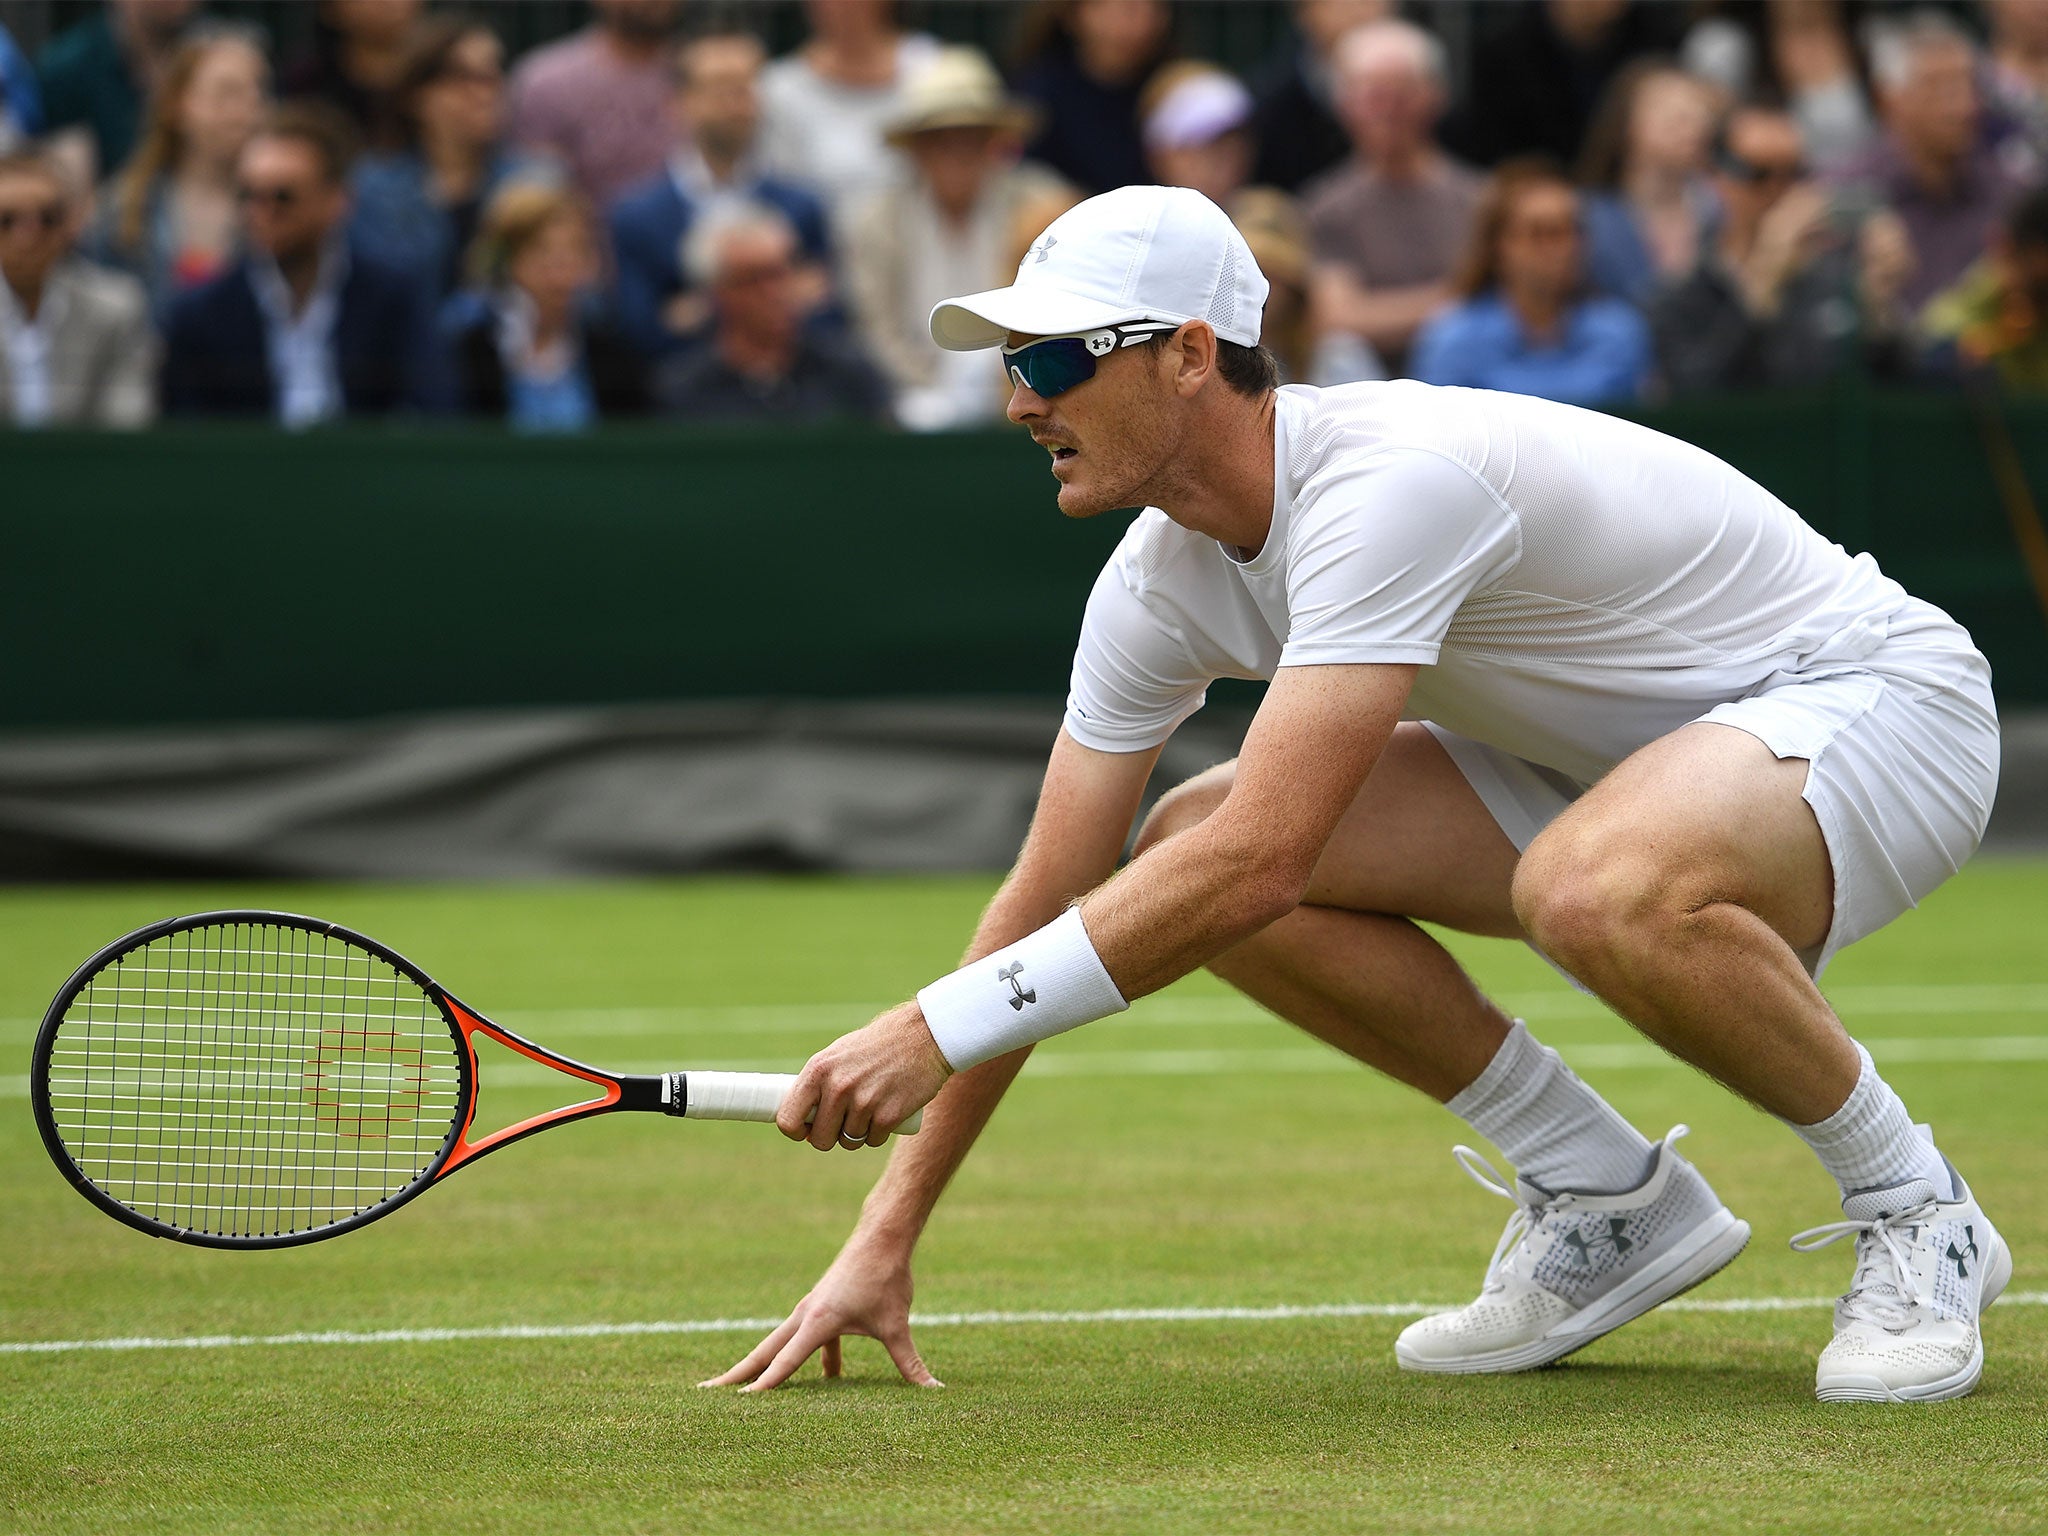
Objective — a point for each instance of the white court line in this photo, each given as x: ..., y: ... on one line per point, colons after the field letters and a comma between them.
x: 520, y: 1331
x: 1171, y: 1012
x: 1282, y: 1061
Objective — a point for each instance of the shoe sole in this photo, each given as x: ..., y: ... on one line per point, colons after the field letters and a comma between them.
x: 1869, y: 1389
x: 1708, y: 1249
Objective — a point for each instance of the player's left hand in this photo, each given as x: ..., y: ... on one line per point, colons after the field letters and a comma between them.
x: 862, y: 1086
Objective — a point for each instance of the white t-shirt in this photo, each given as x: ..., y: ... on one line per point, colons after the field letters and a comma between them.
x: 1573, y: 585
x: 828, y: 136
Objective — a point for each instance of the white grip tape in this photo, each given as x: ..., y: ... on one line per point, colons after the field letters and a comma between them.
x: 749, y: 1096
x: 1046, y: 983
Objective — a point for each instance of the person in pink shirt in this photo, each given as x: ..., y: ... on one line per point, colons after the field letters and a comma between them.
x: 598, y: 101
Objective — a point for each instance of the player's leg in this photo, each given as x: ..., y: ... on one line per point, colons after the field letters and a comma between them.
x: 1350, y: 967
x: 1690, y: 888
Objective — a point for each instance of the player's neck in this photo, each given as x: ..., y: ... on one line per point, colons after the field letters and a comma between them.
x: 1223, y: 487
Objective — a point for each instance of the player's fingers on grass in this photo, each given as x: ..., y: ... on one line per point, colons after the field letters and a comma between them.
x: 810, y: 1338
x: 896, y: 1339
x: 831, y: 1359
x: 760, y: 1354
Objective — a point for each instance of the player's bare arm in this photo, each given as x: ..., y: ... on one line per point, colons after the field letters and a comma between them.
x: 1316, y: 738
x: 1085, y: 809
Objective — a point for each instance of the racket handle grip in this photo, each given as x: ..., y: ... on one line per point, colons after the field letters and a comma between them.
x: 748, y: 1096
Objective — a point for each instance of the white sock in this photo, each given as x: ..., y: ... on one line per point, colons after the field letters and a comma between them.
x: 1559, y: 1134
x: 1872, y: 1143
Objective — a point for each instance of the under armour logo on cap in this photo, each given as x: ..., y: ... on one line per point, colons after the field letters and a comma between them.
x: 1043, y: 249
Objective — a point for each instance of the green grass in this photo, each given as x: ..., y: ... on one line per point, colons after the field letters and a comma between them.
x: 1105, y: 1182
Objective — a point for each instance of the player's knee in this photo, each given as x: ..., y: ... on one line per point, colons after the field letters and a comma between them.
x: 1580, y: 897
x: 1186, y: 805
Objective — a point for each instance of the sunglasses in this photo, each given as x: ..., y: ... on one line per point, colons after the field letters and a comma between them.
x: 1755, y: 174
x: 1055, y: 364
x: 46, y: 218
x: 279, y: 198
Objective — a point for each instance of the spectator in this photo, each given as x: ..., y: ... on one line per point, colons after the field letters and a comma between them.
x: 824, y: 106
x: 1645, y: 166
x: 76, y: 346
x: 1525, y: 323
x: 1538, y: 75
x: 1781, y: 294
x: 1086, y: 67
x: 1931, y: 165
x: 1277, y: 235
x: 97, y: 74
x: 762, y: 364
x: 170, y: 216
x: 1797, y: 53
x: 943, y: 233
x: 2017, y: 81
x: 533, y: 348
x: 300, y: 329
x: 1195, y: 119
x: 359, y: 54
x: 717, y: 108
x: 1995, y: 320
x: 1389, y: 226
x: 1295, y: 123
x: 417, y: 209
x: 598, y: 101
x: 21, y: 98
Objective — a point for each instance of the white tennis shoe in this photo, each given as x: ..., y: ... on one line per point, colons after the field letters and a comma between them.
x: 1906, y: 1331
x: 1571, y: 1267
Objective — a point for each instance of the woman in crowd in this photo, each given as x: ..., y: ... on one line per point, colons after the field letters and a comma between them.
x: 418, y: 208
x: 1085, y: 63
x: 531, y: 347
x: 170, y: 216
x: 824, y: 107
x: 1195, y: 120
x: 1646, y: 165
x: 1524, y: 322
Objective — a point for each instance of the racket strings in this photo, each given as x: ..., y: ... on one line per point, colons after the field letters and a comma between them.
x: 253, y: 1080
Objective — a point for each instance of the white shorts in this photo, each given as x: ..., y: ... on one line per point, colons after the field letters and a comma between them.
x: 1902, y: 755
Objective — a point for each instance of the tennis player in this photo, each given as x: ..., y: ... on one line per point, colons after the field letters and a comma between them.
x: 1534, y: 672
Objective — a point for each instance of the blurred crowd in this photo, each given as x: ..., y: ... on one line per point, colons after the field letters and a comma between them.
x: 1606, y: 201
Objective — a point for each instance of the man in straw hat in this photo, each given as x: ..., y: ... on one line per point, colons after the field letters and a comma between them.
x: 1535, y: 672
x: 947, y: 230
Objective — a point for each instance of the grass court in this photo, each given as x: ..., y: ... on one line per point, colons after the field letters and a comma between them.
x: 1191, y: 1156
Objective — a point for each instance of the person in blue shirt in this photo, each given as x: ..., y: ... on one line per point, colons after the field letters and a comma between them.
x: 531, y: 344
x: 1525, y: 322
x: 418, y: 208
x: 717, y: 107
x: 21, y: 100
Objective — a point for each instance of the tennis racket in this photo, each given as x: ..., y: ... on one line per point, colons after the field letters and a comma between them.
x: 260, y: 1079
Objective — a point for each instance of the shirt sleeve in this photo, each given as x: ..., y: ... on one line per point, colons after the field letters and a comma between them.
x: 1134, y: 679
x: 1382, y: 555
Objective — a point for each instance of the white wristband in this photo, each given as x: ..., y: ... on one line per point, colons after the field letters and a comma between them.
x: 1042, y: 985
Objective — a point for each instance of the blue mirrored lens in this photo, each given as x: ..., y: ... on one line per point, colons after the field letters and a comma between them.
x: 1053, y: 367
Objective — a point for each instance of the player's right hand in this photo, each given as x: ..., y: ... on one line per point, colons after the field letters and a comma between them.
x: 865, y: 1294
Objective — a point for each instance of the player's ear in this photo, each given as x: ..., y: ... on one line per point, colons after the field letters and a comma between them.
x: 1193, y: 349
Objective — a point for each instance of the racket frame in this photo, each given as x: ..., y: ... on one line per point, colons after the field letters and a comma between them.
x: 664, y: 1092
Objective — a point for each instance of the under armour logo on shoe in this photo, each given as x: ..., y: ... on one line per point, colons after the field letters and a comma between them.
x: 1043, y: 249
x: 1611, y: 1238
x: 1969, y: 1251
x: 1021, y: 993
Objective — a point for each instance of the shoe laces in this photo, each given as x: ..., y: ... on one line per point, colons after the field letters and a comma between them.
x: 1883, y: 1290
x: 1528, y: 1215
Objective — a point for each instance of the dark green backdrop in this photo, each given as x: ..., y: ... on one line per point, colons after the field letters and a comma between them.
x: 241, y: 574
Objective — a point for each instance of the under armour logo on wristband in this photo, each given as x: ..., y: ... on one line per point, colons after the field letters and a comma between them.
x: 1023, y: 994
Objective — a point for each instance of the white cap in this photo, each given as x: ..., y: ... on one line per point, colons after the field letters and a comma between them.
x: 1138, y: 253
